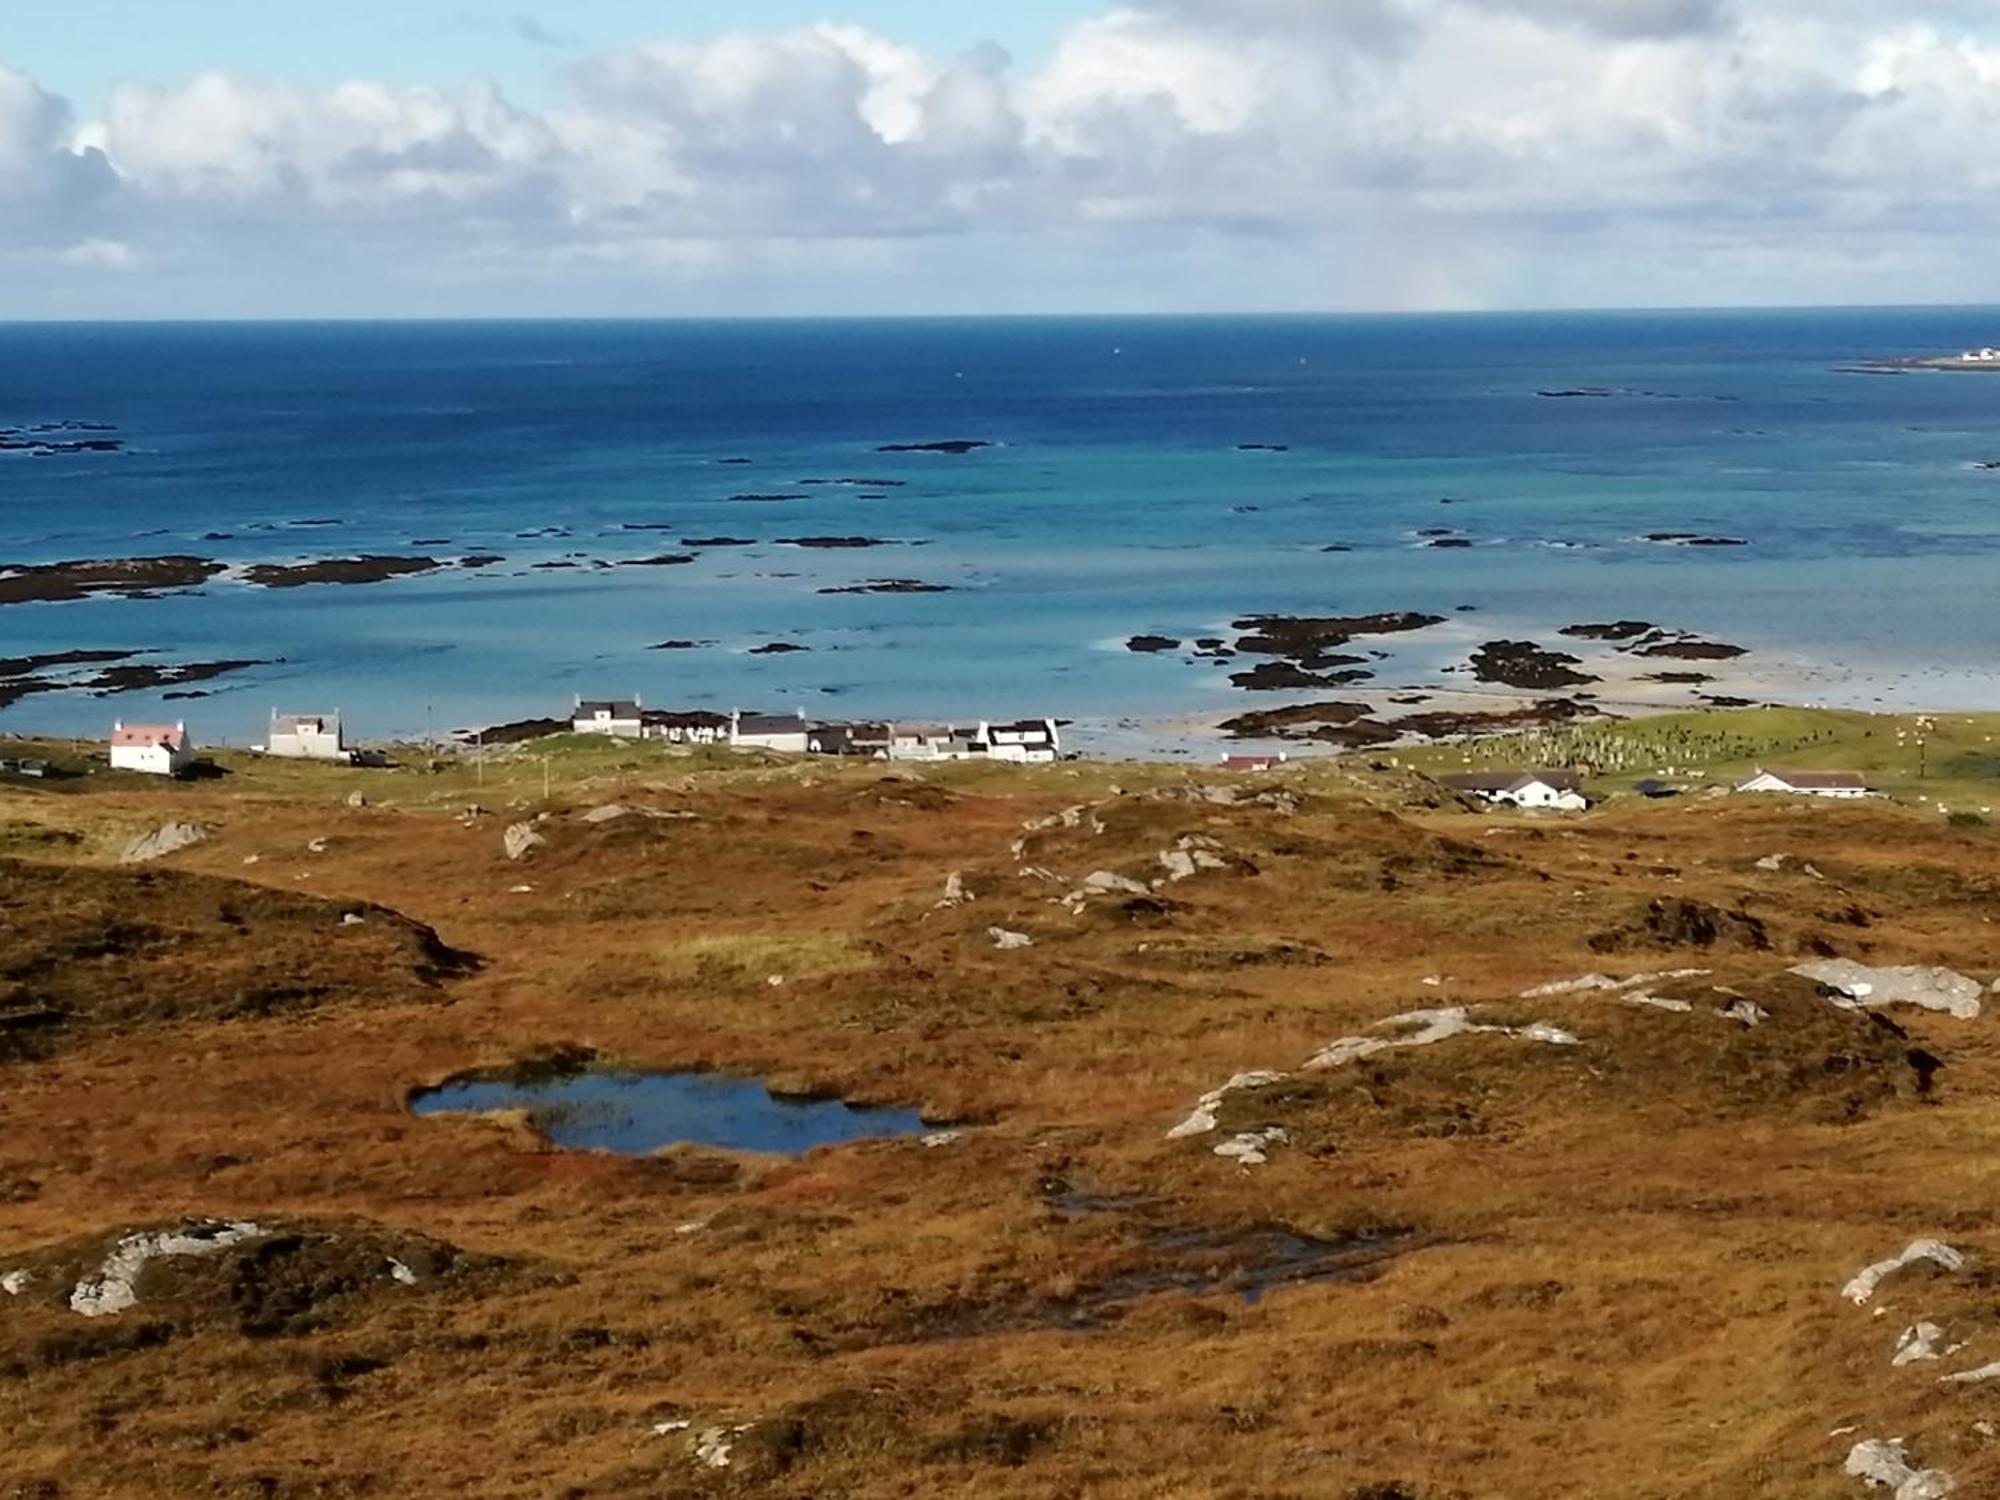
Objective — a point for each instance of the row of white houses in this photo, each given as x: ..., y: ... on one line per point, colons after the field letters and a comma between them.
x: 1562, y: 791
x: 1021, y: 741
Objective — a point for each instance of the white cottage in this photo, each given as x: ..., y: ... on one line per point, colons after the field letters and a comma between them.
x: 1025, y: 741
x: 1555, y: 791
x: 1842, y: 784
x: 307, y: 737
x: 620, y: 717
x: 152, y: 749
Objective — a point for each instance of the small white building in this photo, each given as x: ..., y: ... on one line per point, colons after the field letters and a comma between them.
x: 153, y: 749
x: 787, y: 734
x: 620, y: 717
x: 1843, y: 784
x: 307, y: 737
x: 1025, y: 741
x: 935, y: 742
x: 1555, y: 791
x: 1254, y: 762
x: 696, y: 728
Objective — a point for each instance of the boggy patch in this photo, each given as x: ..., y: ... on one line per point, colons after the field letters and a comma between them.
x: 1118, y: 1252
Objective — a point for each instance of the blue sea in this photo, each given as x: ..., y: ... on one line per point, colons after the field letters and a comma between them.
x: 1144, y: 476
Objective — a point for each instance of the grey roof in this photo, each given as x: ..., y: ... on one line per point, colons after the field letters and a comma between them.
x: 616, y: 708
x: 770, y: 724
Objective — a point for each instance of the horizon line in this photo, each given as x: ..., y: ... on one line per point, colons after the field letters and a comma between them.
x: 1211, y: 315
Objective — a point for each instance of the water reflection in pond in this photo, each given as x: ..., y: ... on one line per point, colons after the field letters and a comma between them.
x: 635, y: 1114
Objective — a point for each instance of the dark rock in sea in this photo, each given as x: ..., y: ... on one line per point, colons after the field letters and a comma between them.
x: 1576, y: 393
x: 132, y: 577
x: 836, y: 542
x: 1693, y: 539
x: 1210, y: 643
x: 1331, y: 723
x: 1616, y: 630
x: 754, y: 499
x: 540, y: 533
x: 218, y: 536
x: 318, y: 521
x: 1283, y: 676
x: 177, y: 697
x: 22, y: 666
x: 430, y: 541
x: 1523, y: 664
x: 680, y: 645
x: 480, y: 560
x: 959, y: 446
x: 778, y: 648
x: 1263, y: 448
x: 1449, y: 541
x: 139, y: 676
x: 664, y: 560
x: 1337, y: 547
x: 554, y: 563
x: 53, y: 440
x: 367, y: 569
x: 1152, y: 643
x: 859, y: 484
x: 1445, y: 724
x: 1312, y: 635
x: 1988, y: 464
x: 1694, y: 651
x: 718, y: 541
x: 1436, y: 531
x: 891, y: 586
x: 646, y: 526
x: 733, y: 462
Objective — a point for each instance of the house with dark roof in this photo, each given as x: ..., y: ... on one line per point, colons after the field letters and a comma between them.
x: 1023, y: 741
x: 621, y: 717
x: 870, y: 741
x: 787, y: 733
x: 1842, y: 784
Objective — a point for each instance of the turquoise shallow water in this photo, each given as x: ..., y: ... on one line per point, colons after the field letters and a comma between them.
x: 1117, y: 499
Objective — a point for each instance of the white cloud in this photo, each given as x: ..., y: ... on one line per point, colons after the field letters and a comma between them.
x: 1376, y: 150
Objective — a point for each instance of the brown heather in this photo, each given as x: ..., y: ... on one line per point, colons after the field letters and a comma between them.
x: 1602, y: 1272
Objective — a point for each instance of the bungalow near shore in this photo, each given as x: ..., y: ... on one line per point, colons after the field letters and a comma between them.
x: 1842, y: 784
x: 1548, y: 791
x: 151, y: 749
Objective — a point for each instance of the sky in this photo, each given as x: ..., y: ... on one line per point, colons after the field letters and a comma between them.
x: 236, y: 158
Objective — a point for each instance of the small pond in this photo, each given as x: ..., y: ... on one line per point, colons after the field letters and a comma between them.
x: 635, y: 1114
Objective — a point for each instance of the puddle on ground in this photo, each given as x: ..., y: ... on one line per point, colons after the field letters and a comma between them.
x: 635, y: 1114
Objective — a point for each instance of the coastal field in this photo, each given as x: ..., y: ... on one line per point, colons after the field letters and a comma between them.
x: 1595, y: 1249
